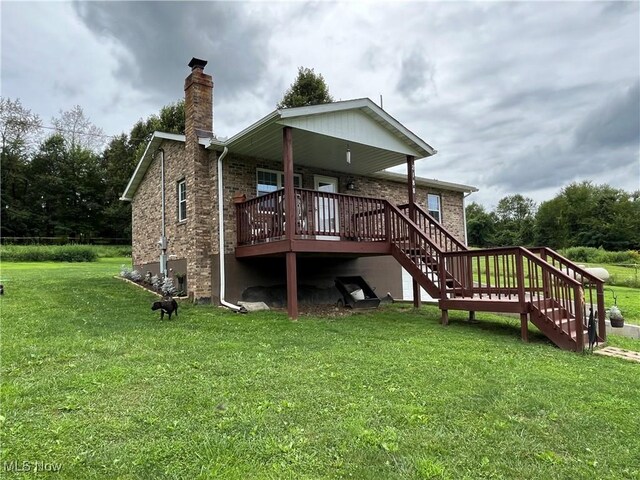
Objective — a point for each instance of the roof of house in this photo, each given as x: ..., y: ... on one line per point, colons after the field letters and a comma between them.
x: 323, y: 134
x: 426, y: 182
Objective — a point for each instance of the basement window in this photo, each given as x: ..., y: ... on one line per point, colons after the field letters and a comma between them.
x: 268, y: 181
x: 434, y: 206
x: 182, y: 200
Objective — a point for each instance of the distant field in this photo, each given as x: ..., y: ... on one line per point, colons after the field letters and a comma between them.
x: 94, y: 382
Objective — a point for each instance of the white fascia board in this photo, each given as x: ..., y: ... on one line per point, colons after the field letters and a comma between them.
x: 264, y: 121
x: 145, y: 160
x: 427, y: 182
x: 324, y: 108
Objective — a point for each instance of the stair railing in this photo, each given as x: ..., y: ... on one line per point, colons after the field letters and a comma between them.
x: 556, y: 295
x: 592, y: 285
x: 434, y: 229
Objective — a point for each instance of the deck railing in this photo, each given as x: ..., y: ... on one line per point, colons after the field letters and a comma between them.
x: 592, y: 285
x: 260, y: 219
x: 318, y: 215
x: 434, y: 229
x: 410, y: 242
x: 344, y: 217
x: 516, y: 274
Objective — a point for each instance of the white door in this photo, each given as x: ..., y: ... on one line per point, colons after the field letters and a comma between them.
x: 407, y: 289
x: 326, y: 209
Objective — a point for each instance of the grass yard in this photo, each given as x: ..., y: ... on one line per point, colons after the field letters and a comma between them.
x: 94, y: 382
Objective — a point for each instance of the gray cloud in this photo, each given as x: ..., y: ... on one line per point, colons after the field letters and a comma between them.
x: 417, y: 74
x: 161, y: 37
x: 614, y: 123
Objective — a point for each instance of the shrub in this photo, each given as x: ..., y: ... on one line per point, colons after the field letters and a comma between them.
x: 125, y: 271
x: 136, y: 276
x: 156, y: 281
x: 599, y: 255
x: 167, y: 287
x: 110, y: 251
x: 48, y: 253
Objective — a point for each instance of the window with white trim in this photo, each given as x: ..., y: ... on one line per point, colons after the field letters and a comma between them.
x: 268, y: 181
x: 434, y: 206
x: 182, y: 200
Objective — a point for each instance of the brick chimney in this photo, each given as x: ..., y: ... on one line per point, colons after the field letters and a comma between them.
x: 199, y: 171
x: 198, y: 102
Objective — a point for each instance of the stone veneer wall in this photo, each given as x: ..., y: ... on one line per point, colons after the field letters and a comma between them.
x: 240, y: 176
x: 147, y: 213
x: 194, y: 239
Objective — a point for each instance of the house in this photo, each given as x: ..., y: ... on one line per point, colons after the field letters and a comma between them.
x: 252, y: 165
x: 302, y: 196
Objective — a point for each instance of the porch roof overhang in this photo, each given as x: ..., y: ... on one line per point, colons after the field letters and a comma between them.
x: 323, y: 133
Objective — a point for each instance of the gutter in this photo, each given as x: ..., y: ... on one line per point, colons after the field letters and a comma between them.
x: 231, y: 306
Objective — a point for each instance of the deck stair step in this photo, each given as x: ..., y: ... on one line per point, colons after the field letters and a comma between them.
x: 470, y: 284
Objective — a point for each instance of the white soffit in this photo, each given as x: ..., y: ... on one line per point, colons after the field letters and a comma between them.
x: 352, y: 126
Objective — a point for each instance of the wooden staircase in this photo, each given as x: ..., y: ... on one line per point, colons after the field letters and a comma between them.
x: 545, y: 288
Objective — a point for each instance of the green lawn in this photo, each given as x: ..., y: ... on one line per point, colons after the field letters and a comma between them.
x: 92, y: 380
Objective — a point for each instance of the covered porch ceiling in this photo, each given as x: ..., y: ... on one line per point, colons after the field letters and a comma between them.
x: 323, y: 133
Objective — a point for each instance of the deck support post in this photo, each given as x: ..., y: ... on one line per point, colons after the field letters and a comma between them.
x: 290, y: 222
x: 445, y: 317
x: 472, y: 316
x: 289, y: 193
x: 524, y: 327
x: 411, y: 191
x: 292, y: 286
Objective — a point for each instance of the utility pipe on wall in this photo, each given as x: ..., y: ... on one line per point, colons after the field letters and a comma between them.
x: 163, y: 236
x: 233, y: 307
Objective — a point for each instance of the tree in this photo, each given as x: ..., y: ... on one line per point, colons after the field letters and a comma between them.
x: 601, y: 216
x: 19, y: 128
x: 480, y: 225
x: 120, y: 158
x: 78, y: 131
x: 515, y: 220
x: 551, y: 227
x: 309, y: 88
x: 19, y: 131
x: 66, y: 190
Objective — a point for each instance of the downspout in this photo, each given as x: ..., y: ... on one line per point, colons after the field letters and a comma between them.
x: 231, y: 306
x: 163, y: 237
x: 464, y: 218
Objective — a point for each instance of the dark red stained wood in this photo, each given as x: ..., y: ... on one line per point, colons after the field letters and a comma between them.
x: 289, y: 194
x: 524, y: 327
x: 261, y: 249
x: 506, y: 306
x: 411, y: 193
x: 292, y: 286
x: 338, y: 246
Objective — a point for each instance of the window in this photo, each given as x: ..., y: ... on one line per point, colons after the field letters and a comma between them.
x: 433, y: 206
x: 182, y: 200
x: 271, y: 180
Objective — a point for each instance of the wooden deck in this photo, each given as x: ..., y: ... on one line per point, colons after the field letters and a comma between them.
x: 325, y: 223
x: 560, y: 298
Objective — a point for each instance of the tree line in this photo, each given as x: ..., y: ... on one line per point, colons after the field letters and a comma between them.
x: 581, y: 214
x: 65, y: 180
x: 62, y: 181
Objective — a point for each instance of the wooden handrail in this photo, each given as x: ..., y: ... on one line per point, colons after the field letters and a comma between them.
x: 429, y: 223
x: 579, y: 272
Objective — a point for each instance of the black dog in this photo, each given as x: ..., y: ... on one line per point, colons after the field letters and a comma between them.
x: 166, y: 305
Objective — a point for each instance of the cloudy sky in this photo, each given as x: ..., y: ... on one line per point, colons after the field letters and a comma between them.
x: 518, y: 97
